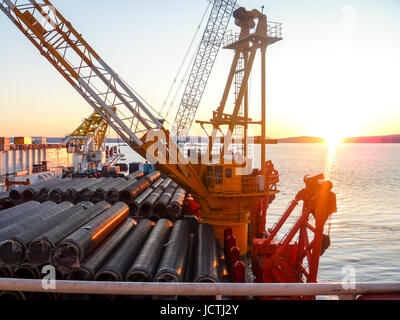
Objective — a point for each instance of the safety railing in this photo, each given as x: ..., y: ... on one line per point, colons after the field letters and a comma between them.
x: 274, y: 30
x: 204, y: 289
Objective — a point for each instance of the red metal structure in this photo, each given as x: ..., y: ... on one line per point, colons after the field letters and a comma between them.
x: 281, y: 261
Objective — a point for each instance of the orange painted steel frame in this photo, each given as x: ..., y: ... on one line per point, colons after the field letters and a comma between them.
x: 9, y: 183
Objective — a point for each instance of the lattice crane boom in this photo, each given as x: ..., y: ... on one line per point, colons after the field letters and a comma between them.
x: 211, y: 41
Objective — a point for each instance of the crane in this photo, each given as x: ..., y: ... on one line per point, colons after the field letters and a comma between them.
x: 207, y: 53
x: 228, y: 189
x: 91, y: 131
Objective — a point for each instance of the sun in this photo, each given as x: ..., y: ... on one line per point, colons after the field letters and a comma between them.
x: 334, y: 138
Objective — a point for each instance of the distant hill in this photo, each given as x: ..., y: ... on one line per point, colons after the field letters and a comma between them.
x: 375, y: 139
x: 302, y: 140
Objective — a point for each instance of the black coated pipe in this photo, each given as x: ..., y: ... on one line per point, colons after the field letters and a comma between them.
x: 165, y: 183
x: 57, y: 194
x: 175, y: 205
x: 146, y: 208
x: 72, y: 194
x: 13, y: 251
x: 173, y: 261
x: 14, y: 214
x: 139, y: 200
x: 42, y: 248
x: 161, y: 206
x: 190, y: 258
x: 153, y: 176
x: 76, y: 247
x: 129, y: 194
x: 146, y: 263
x: 136, y: 175
x: 86, y: 194
x: 16, y: 194
x: 116, y: 267
x: 206, y: 263
x: 193, y: 223
x: 87, y: 270
x: 100, y: 193
x: 157, y: 183
x: 113, y: 194
x: 33, y: 192
x: 41, y: 213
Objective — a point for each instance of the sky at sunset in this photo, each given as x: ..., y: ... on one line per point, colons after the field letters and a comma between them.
x: 336, y: 69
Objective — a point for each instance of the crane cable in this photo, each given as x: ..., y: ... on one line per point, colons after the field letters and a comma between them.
x: 185, y: 58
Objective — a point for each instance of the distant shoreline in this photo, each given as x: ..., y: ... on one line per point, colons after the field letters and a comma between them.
x: 304, y: 139
x: 374, y: 139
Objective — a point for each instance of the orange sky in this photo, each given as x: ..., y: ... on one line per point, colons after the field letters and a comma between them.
x: 335, y: 71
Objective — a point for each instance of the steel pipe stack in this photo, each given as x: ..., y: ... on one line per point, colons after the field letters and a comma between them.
x: 136, y: 175
x: 37, y: 215
x: 42, y: 248
x: 16, y: 194
x: 146, y: 208
x: 88, y: 269
x: 161, y: 206
x: 72, y: 194
x: 153, y: 176
x: 146, y: 263
x: 137, y: 202
x: 165, y: 183
x: 117, y: 266
x: 100, y: 193
x: 13, y: 250
x: 76, y: 247
x: 40, y: 192
x: 129, y: 194
x: 157, y: 183
x: 12, y: 215
x: 86, y: 194
x: 175, y: 205
x: 113, y: 194
x: 57, y: 194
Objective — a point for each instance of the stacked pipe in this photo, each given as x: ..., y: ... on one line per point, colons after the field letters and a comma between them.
x: 86, y: 194
x: 136, y: 175
x: 161, y: 206
x: 100, y: 242
x: 147, y: 206
x: 175, y: 205
x: 42, y: 247
x: 5, y: 203
x: 76, y: 247
x: 113, y: 194
x: 153, y: 176
x: 100, y: 193
x: 72, y: 194
x: 17, y: 193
